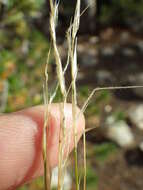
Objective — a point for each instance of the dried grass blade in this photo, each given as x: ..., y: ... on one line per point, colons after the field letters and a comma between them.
x: 61, y: 79
x: 47, y: 169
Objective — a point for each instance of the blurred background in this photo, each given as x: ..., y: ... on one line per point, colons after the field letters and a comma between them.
x: 110, y: 53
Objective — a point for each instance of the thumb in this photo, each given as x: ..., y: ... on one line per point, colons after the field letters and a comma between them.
x: 21, y: 143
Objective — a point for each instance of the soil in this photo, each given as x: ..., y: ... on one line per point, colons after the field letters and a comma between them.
x: 124, y: 171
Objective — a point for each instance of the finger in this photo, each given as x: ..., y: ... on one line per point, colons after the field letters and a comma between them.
x: 21, y: 143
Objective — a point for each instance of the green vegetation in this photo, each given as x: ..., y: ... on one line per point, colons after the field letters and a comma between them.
x: 103, y: 151
x: 23, y: 51
x: 92, y: 179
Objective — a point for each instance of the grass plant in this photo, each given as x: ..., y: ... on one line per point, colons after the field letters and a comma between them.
x: 48, y: 99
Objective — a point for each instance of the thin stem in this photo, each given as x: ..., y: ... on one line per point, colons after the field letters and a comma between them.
x: 75, y: 135
x: 61, y: 145
x: 47, y: 169
x: 104, y: 88
x: 61, y: 80
x: 72, y: 43
x: 84, y: 159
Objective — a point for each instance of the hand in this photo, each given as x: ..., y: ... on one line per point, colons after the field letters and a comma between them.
x: 21, y: 143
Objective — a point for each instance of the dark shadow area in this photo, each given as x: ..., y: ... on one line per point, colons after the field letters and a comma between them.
x: 134, y: 157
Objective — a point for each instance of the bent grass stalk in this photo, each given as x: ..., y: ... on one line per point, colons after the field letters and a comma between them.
x: 104, y: 88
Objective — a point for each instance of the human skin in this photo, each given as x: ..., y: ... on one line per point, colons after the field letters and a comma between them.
x: 21, y: 143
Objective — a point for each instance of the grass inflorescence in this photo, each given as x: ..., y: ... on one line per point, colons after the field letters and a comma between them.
x: 48, y: 99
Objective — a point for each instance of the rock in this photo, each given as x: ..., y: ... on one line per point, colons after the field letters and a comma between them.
x: 107, y: 34
x: 104, y: 77
x: 136, y: 24
x: 93, y: 40
x: 67, y: 179
x: 108, y: 108
x: 136, y: 115
x: 88, y: 58
x: 140, y: 45
x: 128, y: 52
x: 80, y: 76
x: 124, y: 37
x: 119, y: 132
x: 141, y: 146
x: 108, y: 51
